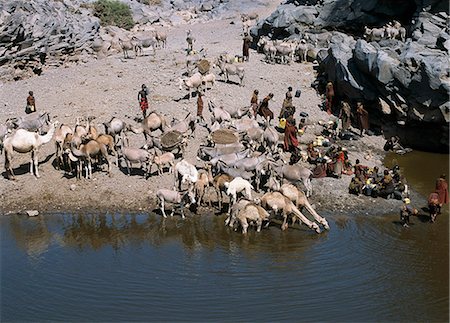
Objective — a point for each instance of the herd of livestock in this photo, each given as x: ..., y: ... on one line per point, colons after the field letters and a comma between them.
x: 249, y: 169
x: 238, y: 169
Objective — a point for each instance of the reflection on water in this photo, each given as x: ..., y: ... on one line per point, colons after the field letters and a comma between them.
x: 78, y: 267
x: 143, y: 268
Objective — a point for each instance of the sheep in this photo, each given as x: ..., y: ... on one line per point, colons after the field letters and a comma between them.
x: 178, y: 199
x: 194, y: 82
x: 219, y: 113
x: 391, y: 32
x: 374, y: 34
x: 284, y: 51
x: 209, y: 79
x: 161, y: 38
x: 163, y: 160
x: 401, y: 30
x: 238, y: 185
x: 231, y: 69
x: 185, y: 171
x: 254, y: 136
x: 302, y: 50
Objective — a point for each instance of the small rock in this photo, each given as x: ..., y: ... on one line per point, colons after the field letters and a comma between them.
x: 32, y: 213
x: 73, y: 187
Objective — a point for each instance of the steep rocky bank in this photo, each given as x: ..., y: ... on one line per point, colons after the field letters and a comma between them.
x: 404, y: 83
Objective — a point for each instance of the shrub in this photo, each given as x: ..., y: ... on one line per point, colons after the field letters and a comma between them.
x: 113, y: 12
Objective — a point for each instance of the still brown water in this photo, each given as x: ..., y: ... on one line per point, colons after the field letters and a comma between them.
x: 92, y: 268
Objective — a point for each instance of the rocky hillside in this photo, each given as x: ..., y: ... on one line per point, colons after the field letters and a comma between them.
x: 38, y: 34
x: 404, y: 83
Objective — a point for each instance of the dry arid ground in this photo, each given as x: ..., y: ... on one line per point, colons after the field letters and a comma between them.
x: 108, y: 87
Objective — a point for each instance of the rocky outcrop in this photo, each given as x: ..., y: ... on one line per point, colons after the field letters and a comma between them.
x: 404, y: 85
x: 38, y: 32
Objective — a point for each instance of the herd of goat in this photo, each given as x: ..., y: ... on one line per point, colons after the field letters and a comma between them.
x: 242, y: 170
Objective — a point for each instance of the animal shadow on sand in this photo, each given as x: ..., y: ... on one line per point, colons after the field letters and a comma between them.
x: 228, y: 82
x: 186, y: 97
x: 134, y: 171
x: 25, y: 168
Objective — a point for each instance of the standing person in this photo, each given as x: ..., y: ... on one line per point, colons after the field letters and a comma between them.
x: 264, y: 110
x: 254, y: 102
x: 329, y: 96
x: 442, y: 191
x: 345, y: 116
x: 142, y: 98
x: 363, y: 117
x: 433, y: 205
x: 246, y: 46
x: 406, y: 211
x: 290, y: 135
x: 31, y: 103
x: 287, y: 108
x: 339, y: 163
x: 200, y: 107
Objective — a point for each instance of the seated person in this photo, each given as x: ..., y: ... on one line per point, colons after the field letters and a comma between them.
x: 370, y: 188
x: 313, y: 153
x: 355, y: 186
x: 360, y: 169
x: 387, y: 185
x: 375, y: 175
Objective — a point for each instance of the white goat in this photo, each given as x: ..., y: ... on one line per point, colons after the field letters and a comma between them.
x: 238, y: 185
x: 209, y: 79
x: 185, y: 171
x: 191, y: 83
